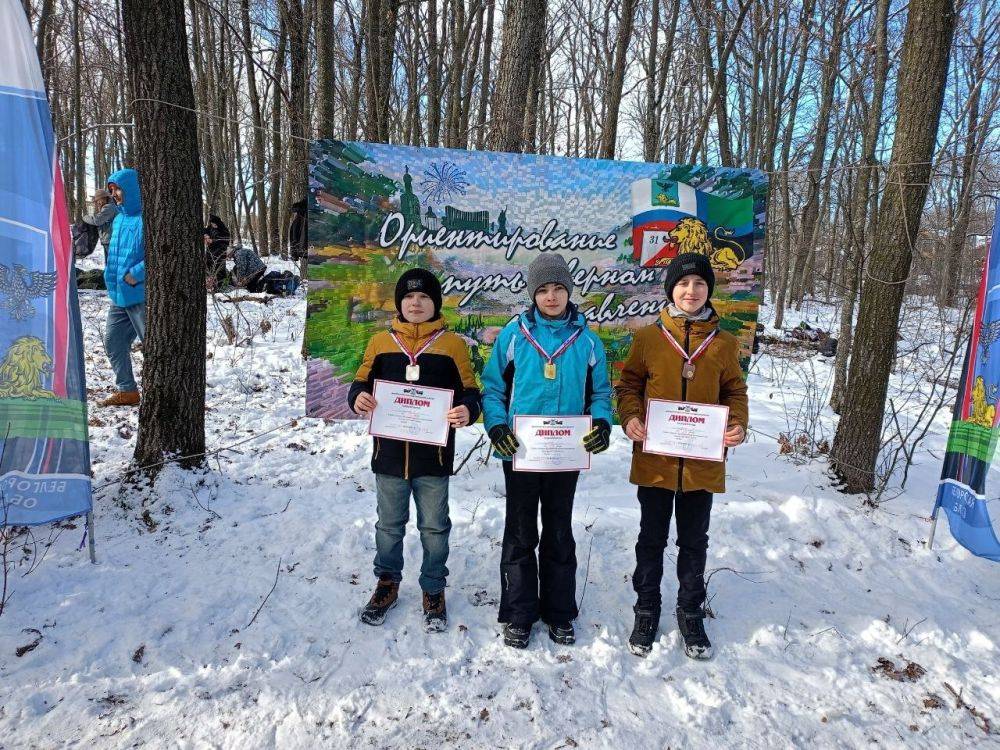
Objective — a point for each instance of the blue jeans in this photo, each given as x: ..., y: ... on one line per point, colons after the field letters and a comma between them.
x: 125, y: 325
x: 430, y: 495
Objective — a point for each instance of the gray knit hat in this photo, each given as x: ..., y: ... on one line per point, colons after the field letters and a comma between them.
x: 549, y: 268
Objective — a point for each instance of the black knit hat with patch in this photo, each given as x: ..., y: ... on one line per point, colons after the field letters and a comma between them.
x: 419, y: 280
x: 685, y: 264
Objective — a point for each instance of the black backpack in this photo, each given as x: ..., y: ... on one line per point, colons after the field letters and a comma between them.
x: 85, y: 238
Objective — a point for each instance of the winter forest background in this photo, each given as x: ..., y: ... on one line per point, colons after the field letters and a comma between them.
x: 809, y: 92
x: 877, y: 122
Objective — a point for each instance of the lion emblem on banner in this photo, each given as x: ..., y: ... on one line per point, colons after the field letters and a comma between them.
x: 23, y: 369
x: 691, y: 236
x: 983, y: 413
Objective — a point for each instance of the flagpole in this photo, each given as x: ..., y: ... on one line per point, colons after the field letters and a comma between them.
x: 934, y: 520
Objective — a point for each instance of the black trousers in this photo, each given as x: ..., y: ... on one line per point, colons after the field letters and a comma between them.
x: 693, y: 511
x: 545, y: 588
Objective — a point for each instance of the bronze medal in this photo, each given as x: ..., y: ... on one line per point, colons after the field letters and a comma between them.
x: 687, y: 371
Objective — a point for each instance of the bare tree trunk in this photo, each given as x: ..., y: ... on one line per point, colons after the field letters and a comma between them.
x: 854, y: 253
x: 42, y: 37
x: 274, y: 223
x: 354, y: 99
x: 257, y: 117
x: 298, y: 150
x: 172, y: 413
x: 716, y: 94
x: 433, y: 77
x: 955, y: 244
x: 484, y: 78
x: 325, y: 86
x: 609, y: 132
x: 381, y: 18
x: 79, y: 196
x: 922, y: 77
x: 814, y: 173
x: 521, y: 45
x: 786, y: 146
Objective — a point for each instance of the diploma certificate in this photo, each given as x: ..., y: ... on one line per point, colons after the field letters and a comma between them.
x: 551, y: 443
x: 416, y: 413
x: 686, y: 430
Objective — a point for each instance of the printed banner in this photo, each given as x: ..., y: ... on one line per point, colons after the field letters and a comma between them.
x: 45, y: 456
x: 973, y: 439
x: 478, y: 218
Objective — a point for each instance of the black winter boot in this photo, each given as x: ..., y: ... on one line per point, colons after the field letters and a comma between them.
x: 696, y: 643
x: 647, y: 620
x: 562, y: 633
x: 516, y: 635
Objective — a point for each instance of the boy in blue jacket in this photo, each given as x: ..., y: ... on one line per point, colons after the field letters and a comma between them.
x: 125, y: 277
x: 545, y: 361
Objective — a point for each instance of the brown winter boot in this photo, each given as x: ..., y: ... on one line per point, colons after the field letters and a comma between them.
x: 121, y: 398
x: 385, y: 598
x: 435, y: 613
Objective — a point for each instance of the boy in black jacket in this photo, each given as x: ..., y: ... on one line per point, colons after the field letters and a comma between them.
x: 418, y: 338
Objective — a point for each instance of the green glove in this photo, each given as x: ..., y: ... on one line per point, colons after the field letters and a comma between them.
x: 503, y: 440
x: 599, y: 438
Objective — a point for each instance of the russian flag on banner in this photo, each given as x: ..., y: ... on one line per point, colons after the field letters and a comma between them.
x: 45, y: 456
x: 976, y: 427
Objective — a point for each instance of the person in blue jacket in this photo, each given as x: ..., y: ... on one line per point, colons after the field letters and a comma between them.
x: 125, y: 277
x: 545, y: 362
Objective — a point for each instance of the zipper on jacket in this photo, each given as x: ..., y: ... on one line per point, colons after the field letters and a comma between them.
x: 684, y: 391
x: 377, y: 446
x: 440, y: 456
x: 406, y: 460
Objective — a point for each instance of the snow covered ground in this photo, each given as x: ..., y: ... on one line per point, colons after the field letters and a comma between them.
x: 223, y: 610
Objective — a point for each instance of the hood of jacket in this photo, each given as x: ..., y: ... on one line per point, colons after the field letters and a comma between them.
x: 128, y: 181
x: 699, y: 328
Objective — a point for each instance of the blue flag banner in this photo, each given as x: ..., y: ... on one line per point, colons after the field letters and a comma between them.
x: 44, y: 454
x: 974, y: 431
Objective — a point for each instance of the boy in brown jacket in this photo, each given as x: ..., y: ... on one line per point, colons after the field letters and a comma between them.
x: 708, y: 374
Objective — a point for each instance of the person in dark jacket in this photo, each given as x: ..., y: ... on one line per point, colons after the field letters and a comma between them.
x: 103, y: 217
x: 125, y: 280
x: 298, y: 231
x: 217, y: 239
x: 418, y: 339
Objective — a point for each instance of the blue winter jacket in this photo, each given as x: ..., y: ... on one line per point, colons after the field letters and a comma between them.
x: 127, y: 253
x: 514, y: 380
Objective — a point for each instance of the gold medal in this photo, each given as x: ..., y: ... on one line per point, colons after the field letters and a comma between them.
x: 687, y: 371
x: 413, y: 373
x: 550, y: 370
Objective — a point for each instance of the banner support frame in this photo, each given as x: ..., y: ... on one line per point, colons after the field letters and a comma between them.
x: 91, y: 548
x: 934, y: 520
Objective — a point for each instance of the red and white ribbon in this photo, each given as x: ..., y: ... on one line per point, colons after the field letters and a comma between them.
x: 680, y: 349
x: 549, y: 358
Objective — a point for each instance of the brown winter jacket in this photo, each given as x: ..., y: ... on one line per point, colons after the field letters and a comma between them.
x: 653, y: 370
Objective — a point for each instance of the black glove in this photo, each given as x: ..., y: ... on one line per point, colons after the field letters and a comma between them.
x: 503, y: 440
x: 599, y: 438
